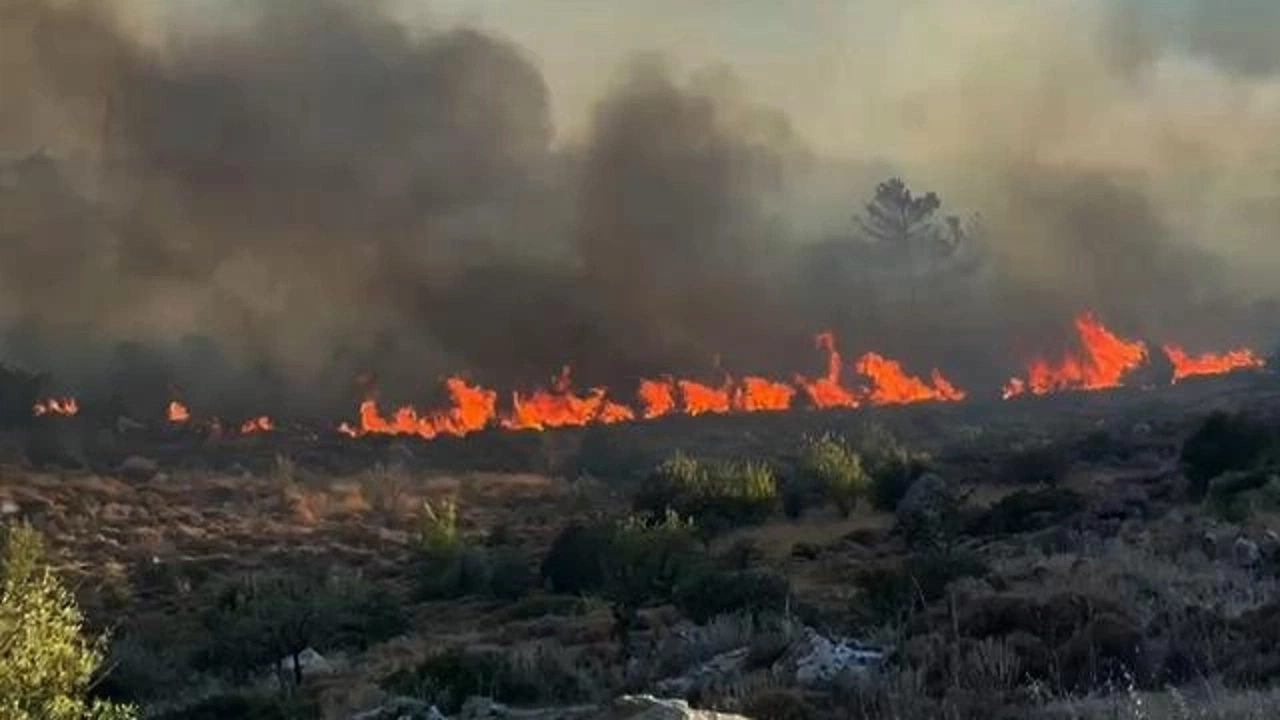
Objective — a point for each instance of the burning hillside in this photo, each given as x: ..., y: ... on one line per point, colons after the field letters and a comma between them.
x: 1102, y: 360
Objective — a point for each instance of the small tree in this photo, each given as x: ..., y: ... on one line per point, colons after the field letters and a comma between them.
x: 830, y: 463
x: 647, y: 559
x: 47, y: 663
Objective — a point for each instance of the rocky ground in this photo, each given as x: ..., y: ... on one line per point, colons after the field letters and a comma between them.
x: 1056, y: 560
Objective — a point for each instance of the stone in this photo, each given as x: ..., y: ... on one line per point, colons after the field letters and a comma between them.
x: 311, y: 662
x: 717, y: 669
x: 402, y: 708
x: 483, y: 708
x: 923, y: 495
x: 816, y: 659
x: 138, y: 468
x: 648, y: 707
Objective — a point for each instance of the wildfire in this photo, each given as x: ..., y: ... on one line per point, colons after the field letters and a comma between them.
x: 1104, y: 360
x: 827, y: 392
x: 1185, y: 366
x: 560, y: 407
x: 262, y: 423
x: 178, y: 413
x: 890, y: 384
x: 65, y: 406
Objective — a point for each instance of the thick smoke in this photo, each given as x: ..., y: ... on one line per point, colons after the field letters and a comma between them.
x: 303, y: 193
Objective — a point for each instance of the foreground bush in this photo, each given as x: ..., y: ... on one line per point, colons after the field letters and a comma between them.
x: 706, y: 595
x: 828, y: 463
x: 647, y: 559
x: 716, y: 495
x: 575, y: 564
x: 47, y: 663
x: 891, y: 593
x: 1226, y: 442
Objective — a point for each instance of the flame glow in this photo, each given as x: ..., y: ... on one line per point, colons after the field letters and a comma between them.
x: 178, y: 413
x: 1185, y: 366
x: 65, y: 406
x: 1104, y: 360
x: 262, y: 423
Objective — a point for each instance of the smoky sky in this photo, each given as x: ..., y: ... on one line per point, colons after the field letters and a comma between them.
x: 264, y: 208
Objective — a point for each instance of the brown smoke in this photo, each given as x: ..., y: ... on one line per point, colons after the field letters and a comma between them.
x: 307, y: 191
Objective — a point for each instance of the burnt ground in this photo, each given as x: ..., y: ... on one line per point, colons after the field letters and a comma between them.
x: 151, y: 523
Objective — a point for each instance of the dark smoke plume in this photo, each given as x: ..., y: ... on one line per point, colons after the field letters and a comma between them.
x: 311, y: 192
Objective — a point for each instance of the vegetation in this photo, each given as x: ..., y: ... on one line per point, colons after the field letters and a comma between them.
x: 647, y: 560
x: 716, y: 495
x: 830, y: 464
x: 47, y: 662
x: 1225, y: 442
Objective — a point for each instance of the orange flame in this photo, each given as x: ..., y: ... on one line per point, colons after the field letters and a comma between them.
x: 65, y: 406
x: 262, y: 423
x: 560, y: 407
x: 827, y: 392
x: 657, y: 397
x: 757, y: 394
x: 471, y: 408
x: 702, y: 399
x: 1106, y: 359
x: 1185, y: 366
x: 178, y: 413
x: 891, y: 385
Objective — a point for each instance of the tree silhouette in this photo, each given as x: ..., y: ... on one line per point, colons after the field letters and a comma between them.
x: 910, y: 229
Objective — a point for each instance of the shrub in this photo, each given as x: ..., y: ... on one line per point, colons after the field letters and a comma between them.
x: 779, y: 705
x: 1027, y: 511
x: 510, y: 577
x: 716, y: 495
x: 258, y: 620
x: 1043, y: 463
x: 1225, y: 442
x: 575, y: 562
x: 438, y: 527
x: 47, y: 663
x: 646, y: 560
x: 838, y: 470
x: 890, y: 593
x: 1235, y: 495
x: 709, y: 594
x: 893, y: 469
x: 449, y: 678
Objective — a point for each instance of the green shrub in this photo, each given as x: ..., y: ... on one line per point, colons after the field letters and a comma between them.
x: 893, y: 468
x: 647, y: 559
x: 245, y: 707
x: 47, y: 662
x: 717, y: 495
x: 258, y: 620
x: 575, y: 562
x: 1226, y: 442
x: 438, y: 527
x: 449, y: 678
x: 838, y: 470
x: 706, y: 595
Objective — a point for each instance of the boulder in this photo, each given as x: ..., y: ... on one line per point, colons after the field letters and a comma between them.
x: 721, y: 668
x: 648, y: 707
x: 138, y: 468
x: 815, y: 659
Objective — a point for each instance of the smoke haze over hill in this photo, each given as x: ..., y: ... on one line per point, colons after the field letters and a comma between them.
x: 310, y: 191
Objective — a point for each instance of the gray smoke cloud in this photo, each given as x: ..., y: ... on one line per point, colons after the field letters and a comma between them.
x: 260, y: 201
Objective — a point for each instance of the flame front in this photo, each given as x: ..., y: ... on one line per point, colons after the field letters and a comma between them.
x: 259, y: 424
x: 178, y: 413
x: 827, y: 392
x: 64, y: 406
x: 1104, y: 361
x: 1185, y: 366
x: 891, y: 385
